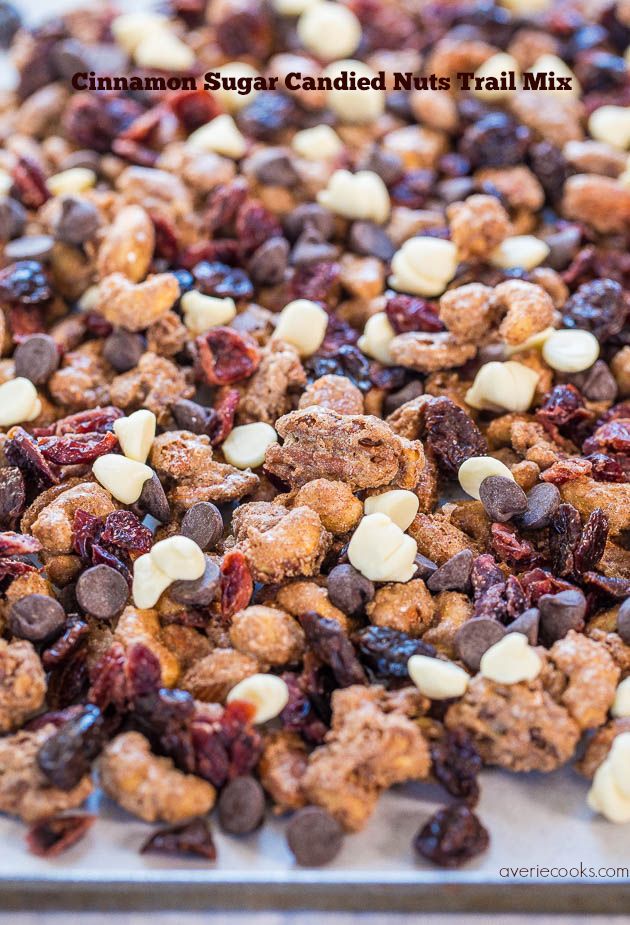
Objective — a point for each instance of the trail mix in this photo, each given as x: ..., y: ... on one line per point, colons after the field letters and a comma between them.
x: 250, y: 343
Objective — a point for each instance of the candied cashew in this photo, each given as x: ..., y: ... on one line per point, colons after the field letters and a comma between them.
x: 428, y: 353
x: 528, y: 309
x: 22, y: 683
x: 467, y: 312
x: 127, y: 248
x: 53, y: 526
x: 478, y: 225
x: 269, y: 635
x: 296, y: 597
x: 136, y: 306
x: 338, y: 508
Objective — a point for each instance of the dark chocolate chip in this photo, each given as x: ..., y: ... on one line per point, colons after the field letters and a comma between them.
x: 408, y: 392
x: 454, y: 575
x: 502, y: 498
x: 349, y: 590
x: 241, y: 806
x: 527, y: 623
x: 36, y: 358
x: 455, y: 189
x: 386, y: 164
x: 424, y: 567
x: 312, y: 248
x: 269, y: 262
x: 560, y: 613
x: 32, y: 247
x: 599, y: 383
x: 123, y: 350
x: 309, y: 214
x: 273, y: 166
x: 190, y: 415
x: 36, y: 617
x: 70, y: 56
x: 314, y: 836
x: 12, y: 218
x: 543, y: 500
x: 77, y: 221
x: 563, y: 246
x: 623, y: 621
x: 370, y: 240
x: 200, y: 591
x: 102, y: 591
x: 153, y: 500
x: 203, y: 524
x: 474, y: 637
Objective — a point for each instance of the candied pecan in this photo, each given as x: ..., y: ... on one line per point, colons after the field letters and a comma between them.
x: 213, y: 677
x: 590, y: 678
x: 334, y: 392
x: 437, y: 538
x: 269, y: 392
x: 477, y: 226
x: 154, y: 384
x: 136, y: 306
x: 407, y: 608
x: 281, y: 768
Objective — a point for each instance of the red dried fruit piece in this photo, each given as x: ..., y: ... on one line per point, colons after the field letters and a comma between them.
x: 12, y: 495
x: 25, y: 282
x: 318, y: 282
x: 563, y: 411
x: 77, y: 448
x: 338, y: 334
x: 124, y: 529
x: 221, y: 416
x: 107, y: 677
x: 598, y: 306
x: 193, y: 108
x: 452, y: 836
x: 86, y: 529
x: 51, y: 837
x: 451, y: 435
x: 73, y: 636
x: 564, y: 533
x: 145, y: 126
x: 619, y: 588
x: 237, y: 585
x: 166, y: 243
x: 25, y: 320
x: 223, y: 204
x: 225, y: 356
x: 103, y: 556
x: 18, y: 544
x: 485, y: 574
x: 537, y: 582
x: 245, y: 29
x: 515, y: 599
x: 56, y: 717
x: 97, y: 325
x: 387, y: 377
x: 30, y: 183
x: 95, y: 420
x: 299, y: 714
x: 13, y: 568
x: 220, y: 251
x: 193, y: 838
x: 591, y: 544
x: 21, y: 450
x: 611, y: 437
x: 68, y: 682
x: 94, y: 120
x: 134, y: 152
x: 566, y: 470
x: 606, y: 468
x: 411, y: 313
x: 510, y: 548
x: 254, y: 225
x: 143, y: 673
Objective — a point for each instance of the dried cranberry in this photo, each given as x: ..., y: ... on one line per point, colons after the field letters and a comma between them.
x: 411, y: 313
x: 451, y: 435
x: 218, y: 279
x: 456, y: 764
x: 193, y: 108
x: 223, y: 205
x: 451, y: 837
x: 221, y: 416
x: 318, y: 282
x: 496, y: 140
x: 237, y: 585
x: 510, y: 548
x: 77, y: 448
x: 134, y: 152
x: 30, y: 183
x: 537, y: 582
x: 50, y: 837
x: 606, y: 468
x: 95, y: 420
x: 166, y: 243
x: 329, y: 643
x: 18, y: 544
x: 598, y: 307
x: 385, y: 652
x: 225, y: 356
x: 67, y: 682
x: 13, y: 568
x: 12, y: 495
x: 124, y: 529
x: 21, y: 450
x: 108, y: 682
x: 611, y: 437
x: 254, y: 225
x: 25, y: 320
x: 24, y: 281
x: 564, y: 411
x: 193, y: 838
x: 226, y: 747
x: 67, y: 755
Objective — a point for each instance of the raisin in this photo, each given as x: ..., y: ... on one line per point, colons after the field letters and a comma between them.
x: 413, y: 189
x: 564, y: 411
x: 451, y: 435
x: 227, y: 252
x: 300, y: 715
x: 66, y: 756
x: 411, y: 313
x: 67, y: 682
x: 496, y: 140
x: 75, y: 449
x: 94, y: 120
x: 330, y: 644
x: 124, y: 529
x: 225, y: 356
x: 50, y: 837
x: 194, y: 838
x: 215, y: 278
x: 590, y: 546
x: 318, y: 282
x: 224, y: 203
x: 456, y: 764
x: 550, y: 167
x: 30, y: 183
x: 245, y: 29
x: 599, y: 307
x: 237, y: 585
x: 338, y: 334
x: 564, y: 534
x: 618, y: 588
x: 228, y: 747
x: 452, y: 836
x: 388, y: 378
x: 385, y: 652
x: 72, y: 638
x: 254, y: 225
x: 12, y: 495
x: 24, y: 281
x: 22, y: 451
x: 268, y: 115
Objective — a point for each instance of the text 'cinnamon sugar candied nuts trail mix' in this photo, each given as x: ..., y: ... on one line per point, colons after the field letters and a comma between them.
x: 250, y: 342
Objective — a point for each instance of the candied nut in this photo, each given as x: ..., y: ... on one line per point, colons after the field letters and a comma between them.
x: 475, y: 469
x: 136, y: 306
x: 361, y: 195
x: 302, y: 324
x: 149, y: 786
x: 281, y: 767
x: 268, y: 635
x: 328, y: 30
x: 586, y: 495
x: 407, y: 608
x: 270, y: 392
x: 19, y: 402
x: 602, y: 202
x: 377, y: 336
x: 302, y: 596
x: 570, y: 351
x: 478, y: 226
x: 338, y: 509
x: 466, y: 311
x: 136, y: 434
x: 211, y: 678
x: 53, y: 525
x: 438, y: 539
x: 267, y: 693
x: 334, y: 392
x: 122, y: 477
x: 510, y: 660
x: 381, y: 551
x: 154, y: 384
x: 289, y: 544
x: 591, y: 678
x: 220, y: 136
x: 429, y: 352
x: 424, y: 266
x: 508, y: 385
x: 22, y: 683
x: 127, y: 248
x: 202, y: 312
x: 437, y: 679
x: 528, y: 311
x: 360, y: 106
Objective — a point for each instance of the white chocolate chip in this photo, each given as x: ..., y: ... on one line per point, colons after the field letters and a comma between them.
x: 292, y: 7
x: 552, y: 64
x: 436, y: 679
x: 320, y: 143
x: 179, y: 557
x: 163, y: 49
x: 526, y: 7
x: 136, y: 434
x: 381, y: 551
x: 202, y: 312
x: 245, y: 446
x: 90, y: 299
x: 621, y: 706
x: 359, y: 106
x: 399, y: 505
x: 18, y: 402
x: 6, y: 183
x: 329, y: 30
x: 268, y: 693
x: 122, y: 477
x: 609, y: 791
x: 376, y: 338
x: 570, y: 350
x: 148, y: 582
x: 522, y: 250
x: 130, y: 29
x: 475, y: 469
x: 231, y: 100
x: 510, y: 386
x: 611, y: 124
x: 361, y: 195
x: 619, y: 757
x: 424, y: 266
x: 220, y: 136
x: 498, y: 66
x: 534, y: 341
x: 510, y: 660
x: 71, y: 181
x: 302, y: 324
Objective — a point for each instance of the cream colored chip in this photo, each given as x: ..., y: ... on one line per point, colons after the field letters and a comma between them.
x: 526, y: 8
x: 220, y: 136
x: 376, y: 338
x: 329, y: 30
x: 71, y: 181
x: 149, y: 582
x: 510, y: 660
x: 267, y: 693
x: 6, y: 183
x: 359, y: 106
x: 136, y: 434
x: 19, y: 402
x: 619, y: 757
x: 164, y: 50
x: 231, y: 100
x: 320, y: 143
x: 621, y: 706
x: 399, y: 505
x: 497, y: 67
x: 122, y: 477
x: 292, y: 7
x: 381, y: 551
x: 90, y: 299
x: 535, y: 341
x: 610, y: 792
x: 611, y: 124
x: 570, y: 351
x: 361, y: 195
x: 179, y: 557
x: 552, y: 64
x: 202, y: 312
x: 523, y: 250
x: 475, y: 469
x: 436, y: 679
x: 424, y: 266
x: 245, y: 446
x: 302, y: 324
x: 510, y: 385
x: 130, y: 29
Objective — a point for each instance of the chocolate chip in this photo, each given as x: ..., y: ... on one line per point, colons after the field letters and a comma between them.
x: 12, y: 218
x: 543, y: 500
x: 36, y: 358
x: 77, y: 221
x: 102, y: 591
x: 370, y: 240
x: 386, y: 164
x: 502, y: 498
x: 68, y: 57
x: 563, y: 246
x: 349, y: 590
x: 36, y: 617
x: 123, y: 350
x: 454, y: 575
x: 424, y: 567
x: 623, y: 621
x: 273, y: 166
x: 241, y: 806
x: 309, y: 213
x: 408, y: 392
x: 560, y: 613
x: 455, y: 189
x: 269, y: 262
x: 190, y: 415
x: 527, y: 623
x: 599, y: 383
x: 203, y: 524
x: 32, y: 247
x: 314, y: 836
x: 200, y: 591
x: 312, y: 248
x: 475, y: 637
x: 153, y: 500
